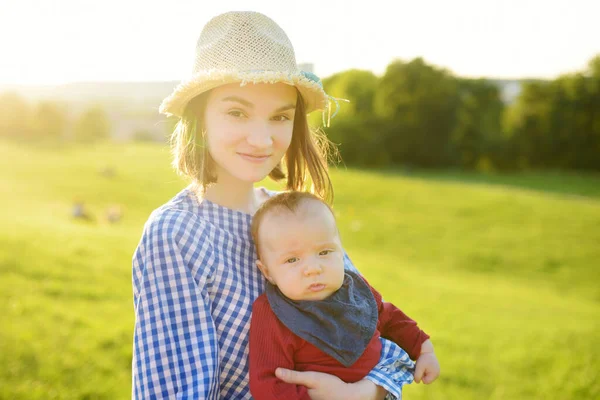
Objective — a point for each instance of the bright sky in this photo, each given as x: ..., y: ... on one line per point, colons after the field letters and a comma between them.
x: 59, y: 41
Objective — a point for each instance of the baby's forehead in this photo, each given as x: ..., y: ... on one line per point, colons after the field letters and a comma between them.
x: 304, y: 209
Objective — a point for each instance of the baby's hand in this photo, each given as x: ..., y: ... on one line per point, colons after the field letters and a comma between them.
x: 427, y: 369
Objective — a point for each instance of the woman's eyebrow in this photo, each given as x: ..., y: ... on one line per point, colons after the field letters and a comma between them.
x: 250, y: 105
x: 286, y: 107
x: 238, y: 100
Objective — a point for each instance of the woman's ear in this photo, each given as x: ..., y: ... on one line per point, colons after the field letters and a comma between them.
x: 265, y: 271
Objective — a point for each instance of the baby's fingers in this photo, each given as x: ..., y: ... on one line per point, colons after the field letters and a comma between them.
x: 428, y: 378
x: 419, y: 371
x: 430, y: 375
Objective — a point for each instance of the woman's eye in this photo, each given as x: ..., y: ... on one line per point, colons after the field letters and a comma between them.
x: 325, y: 252
x: 291, y: 260
x: 235, y: 113
x: 281, y: 118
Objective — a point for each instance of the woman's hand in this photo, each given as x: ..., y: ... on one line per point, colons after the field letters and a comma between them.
x: 323, y: 386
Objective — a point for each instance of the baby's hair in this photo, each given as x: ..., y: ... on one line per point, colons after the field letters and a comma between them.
x: 289, y: 201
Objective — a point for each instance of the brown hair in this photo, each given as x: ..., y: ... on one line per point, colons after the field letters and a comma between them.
x: 305, y: 160
x: 287, y: 201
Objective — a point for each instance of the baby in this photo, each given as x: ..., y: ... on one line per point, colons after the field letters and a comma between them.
x: 315, y: 315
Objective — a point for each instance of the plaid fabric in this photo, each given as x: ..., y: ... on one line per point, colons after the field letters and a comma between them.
x: 194, y: 282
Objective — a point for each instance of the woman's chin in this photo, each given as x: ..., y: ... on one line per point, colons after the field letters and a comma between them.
x: 253, y: 175
x: 251, y: 178
x: 245, y: 174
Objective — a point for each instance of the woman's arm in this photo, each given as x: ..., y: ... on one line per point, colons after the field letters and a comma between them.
x: 175, y: 351
x: 394, y: 370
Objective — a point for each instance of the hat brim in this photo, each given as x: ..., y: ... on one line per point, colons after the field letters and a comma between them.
x: 312, y: 92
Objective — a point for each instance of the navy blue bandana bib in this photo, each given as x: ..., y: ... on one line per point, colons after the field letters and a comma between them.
x: 341, y: 325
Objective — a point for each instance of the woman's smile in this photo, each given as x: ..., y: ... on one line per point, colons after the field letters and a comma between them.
x: 254, y: 158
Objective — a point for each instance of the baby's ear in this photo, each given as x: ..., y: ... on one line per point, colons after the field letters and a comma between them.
x: 265, y: 271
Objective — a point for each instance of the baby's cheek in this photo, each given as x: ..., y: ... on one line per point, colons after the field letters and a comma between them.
x: 291, y: 283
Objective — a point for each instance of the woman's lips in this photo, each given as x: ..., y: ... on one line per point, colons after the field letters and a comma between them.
x: 256, y: 159
x: 316, y: 287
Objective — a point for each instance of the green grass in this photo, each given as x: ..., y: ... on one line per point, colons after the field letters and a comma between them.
x: 501, y: 270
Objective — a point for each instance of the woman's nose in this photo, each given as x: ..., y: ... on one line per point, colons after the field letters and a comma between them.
x: 260, y: 136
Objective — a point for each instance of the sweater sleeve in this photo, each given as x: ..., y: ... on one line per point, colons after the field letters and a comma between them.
x: 398, y: 327
x: 271, y: 346
x: 175, y: 349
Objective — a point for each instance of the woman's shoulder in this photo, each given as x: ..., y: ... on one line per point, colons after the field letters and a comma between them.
x: 174, y: 239
x: 179, y: 217
x: 184, y: 215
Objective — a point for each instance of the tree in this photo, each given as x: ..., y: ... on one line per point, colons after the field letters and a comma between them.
x: 478, y: 130
x: 93, y: 125
x: 49, y: 121
x: 528, y: 122
x: 418, y: 103
x: 15, y: 117
x: 556, y: 124
x: 355, y: 85
x: 355, y: 128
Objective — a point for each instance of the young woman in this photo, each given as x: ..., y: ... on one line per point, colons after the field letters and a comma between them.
x: 242, y: 118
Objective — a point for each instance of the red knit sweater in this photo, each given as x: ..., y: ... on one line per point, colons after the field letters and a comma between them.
x: 273, y: 345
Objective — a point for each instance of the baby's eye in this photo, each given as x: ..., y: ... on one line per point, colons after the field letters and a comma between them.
x: 281, y: 118
x: 291, y: 260
x: 325, y: 252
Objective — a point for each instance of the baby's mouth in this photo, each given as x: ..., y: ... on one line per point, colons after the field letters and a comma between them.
x: 316, y: 287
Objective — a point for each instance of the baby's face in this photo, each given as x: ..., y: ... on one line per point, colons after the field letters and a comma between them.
x: 301, y: 252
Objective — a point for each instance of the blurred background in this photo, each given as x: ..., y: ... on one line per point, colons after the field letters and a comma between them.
x: 472, y: 132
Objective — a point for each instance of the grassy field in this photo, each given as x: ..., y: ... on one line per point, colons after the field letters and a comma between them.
x: 502, y: 271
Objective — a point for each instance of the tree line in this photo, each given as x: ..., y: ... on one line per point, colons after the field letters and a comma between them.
x: 415, y: 115
x: 421, y: 115
x: 50, y: 121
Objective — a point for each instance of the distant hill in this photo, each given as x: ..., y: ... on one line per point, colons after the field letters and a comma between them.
x: 150, y: 94
x: 133, y: 106
x: 134, y: 93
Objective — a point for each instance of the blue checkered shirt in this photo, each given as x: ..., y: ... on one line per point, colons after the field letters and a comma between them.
x: 194, y: 282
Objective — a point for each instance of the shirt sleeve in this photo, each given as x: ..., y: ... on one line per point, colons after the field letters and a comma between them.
x: 271, y: 346
x: 395, y: 325
x: 175, y: 349
x: 399, y: 328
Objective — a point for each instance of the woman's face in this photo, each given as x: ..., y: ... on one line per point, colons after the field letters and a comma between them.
x: 249, y: 128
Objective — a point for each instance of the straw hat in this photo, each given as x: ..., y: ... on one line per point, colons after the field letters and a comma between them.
x: 245, y: 47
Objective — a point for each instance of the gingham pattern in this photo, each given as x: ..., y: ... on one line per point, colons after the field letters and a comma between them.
x: 194, y: 282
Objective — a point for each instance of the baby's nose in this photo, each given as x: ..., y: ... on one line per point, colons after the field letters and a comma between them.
x: 313, y: 268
